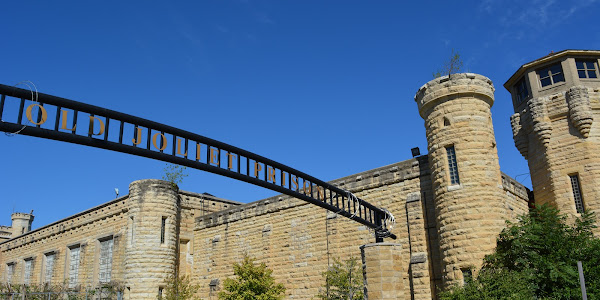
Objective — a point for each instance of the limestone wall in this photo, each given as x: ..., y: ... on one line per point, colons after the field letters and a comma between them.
x: 298, y: 240
x: 562, y: 135
x: 85, y: 230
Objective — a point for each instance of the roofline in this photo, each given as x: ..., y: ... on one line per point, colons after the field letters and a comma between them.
x: 545, y: 59
x: 213, y: 198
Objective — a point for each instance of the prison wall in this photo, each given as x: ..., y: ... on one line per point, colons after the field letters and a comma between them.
x: 84, y: 231
x: 298, y: 240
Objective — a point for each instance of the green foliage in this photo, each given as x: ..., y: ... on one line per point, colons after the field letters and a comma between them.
x: 343, y: 280
x: 47, y: 291
x: 453, y: 65
x: 179, y: 288
x: 537, y: 258
x: 174, y: 174
x: 251, y: 282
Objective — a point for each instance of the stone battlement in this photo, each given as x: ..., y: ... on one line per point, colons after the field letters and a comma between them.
x: 371, y: 179
x: 455, y: 84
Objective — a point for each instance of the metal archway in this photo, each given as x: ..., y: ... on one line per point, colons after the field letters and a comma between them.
x: 47, y: 116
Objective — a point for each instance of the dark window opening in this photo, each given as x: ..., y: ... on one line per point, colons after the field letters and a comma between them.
x: 452, y: 166
x: 551, y: 75
x: 162, y: 229
x: 587, y: 68
x: 577, y: 193
x: 467, y: 275
x: 522, y: 92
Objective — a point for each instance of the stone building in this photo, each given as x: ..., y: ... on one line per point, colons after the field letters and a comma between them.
x: 449, y: 205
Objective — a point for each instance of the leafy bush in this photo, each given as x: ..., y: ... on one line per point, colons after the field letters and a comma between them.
x: 251, y: 282
x: 343, y: 280
x: 537, y: 258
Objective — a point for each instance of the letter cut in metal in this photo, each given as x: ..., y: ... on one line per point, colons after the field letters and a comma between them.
x: 291, y: 181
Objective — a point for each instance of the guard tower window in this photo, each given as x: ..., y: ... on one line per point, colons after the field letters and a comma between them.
x: 163, y: 225
x: 577, y: 193
x: 522, y: 92
x: 587, y: 68
x: 452, y: 166
x: 551, y: 75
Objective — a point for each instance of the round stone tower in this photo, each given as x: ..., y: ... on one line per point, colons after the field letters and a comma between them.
x: 465, y: 173
x: 150, y: 255
x: 21, y: 223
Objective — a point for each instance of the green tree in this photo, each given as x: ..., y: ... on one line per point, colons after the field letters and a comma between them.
x: 453, y: 65
x: 343, y: 280
x: 251, y: 282
x: 179, y: 289
x: 537, y: 258
x: 174, y: 174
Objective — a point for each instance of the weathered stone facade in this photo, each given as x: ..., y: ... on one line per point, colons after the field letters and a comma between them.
x: 555, y: 126
x: 448, y: 205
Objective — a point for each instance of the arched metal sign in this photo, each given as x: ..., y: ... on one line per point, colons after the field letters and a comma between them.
x: 51, y: 117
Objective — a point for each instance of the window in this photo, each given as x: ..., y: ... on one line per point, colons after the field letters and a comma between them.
x: 551, y: 75
x: 586, y: 68
x: 106, y: 251
x: 163, y: 225
x: 10, y: 271
x: 452, y: 166
x: 467, y: 275
x: 521, y: 90
x: 73, y: 265
x: 49, y: 268
x: 577, y: 193
x: 28, y: 270
x: 160, y: 292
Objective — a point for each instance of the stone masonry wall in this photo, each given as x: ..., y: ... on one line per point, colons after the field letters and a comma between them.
x: 84, y: 229
x: 467, y: 183
x: 298, y: 240
x: 566, y: 144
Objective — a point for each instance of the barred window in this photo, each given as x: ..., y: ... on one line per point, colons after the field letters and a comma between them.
x: 106, y: 252
x: 587, y: 68
x: 49, y: 268
x: 577, y: 193
x: 28, y: 270
x: 452, y: 166
x: 10, y: 271
x: 73, y: 265
x: 551, y: 75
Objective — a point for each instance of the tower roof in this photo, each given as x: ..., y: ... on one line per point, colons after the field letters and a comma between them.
x: 542, y: 60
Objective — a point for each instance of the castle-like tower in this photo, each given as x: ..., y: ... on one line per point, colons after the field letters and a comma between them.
x: 21, y: 223
x: 152, y: 238
x: 556, y: 101
x: 465, y: 173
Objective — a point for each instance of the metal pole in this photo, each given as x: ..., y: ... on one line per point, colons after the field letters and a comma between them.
x: 581, y: 280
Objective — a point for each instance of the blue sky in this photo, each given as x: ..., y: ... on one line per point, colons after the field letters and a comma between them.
x: 325, y: 87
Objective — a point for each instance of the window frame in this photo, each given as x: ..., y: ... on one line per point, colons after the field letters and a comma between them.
x: 546, y: 73
x: 74, y: 261
x: 49, y: 267
x: 585, y: 68
x: 10, y: 271
x: 453, y: 174
x: 521, y: 83
x: 28, y: 266
x: 105, y: 248
x: 577, y: 193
